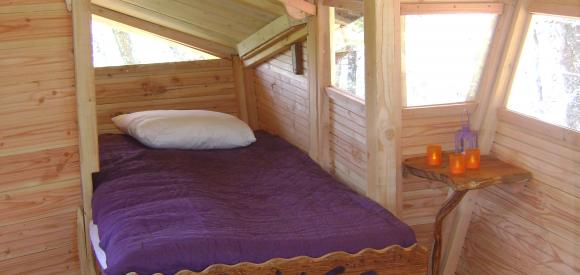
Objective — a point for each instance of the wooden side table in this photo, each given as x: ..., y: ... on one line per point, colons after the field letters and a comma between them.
x: 492, y: 171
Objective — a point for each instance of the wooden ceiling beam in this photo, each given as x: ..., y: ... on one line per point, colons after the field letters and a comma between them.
x: 268, y: 35
x: 270, y: 6
x: 299, y: 9
x: 354, y: 5
x: 189, y: 40
x: 278, y: 47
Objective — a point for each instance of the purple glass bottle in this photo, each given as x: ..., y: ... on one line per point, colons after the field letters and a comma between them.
x: 465, y: 138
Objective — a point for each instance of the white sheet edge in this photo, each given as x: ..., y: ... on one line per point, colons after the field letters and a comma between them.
x: 95, y: 240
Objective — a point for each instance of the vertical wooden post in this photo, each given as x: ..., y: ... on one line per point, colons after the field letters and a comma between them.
x: 502, y: 83
x: 86, y: 111
x: 297, y: 58
x: 251, y: 101
x: 240, y: 84
x: 319, y: 78
x: 506, y: 46
x: 383, y: 101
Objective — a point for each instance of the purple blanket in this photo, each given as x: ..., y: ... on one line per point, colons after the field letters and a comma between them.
x: 167, y: 210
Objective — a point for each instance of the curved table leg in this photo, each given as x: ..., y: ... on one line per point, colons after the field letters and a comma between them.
x: 448, y: 206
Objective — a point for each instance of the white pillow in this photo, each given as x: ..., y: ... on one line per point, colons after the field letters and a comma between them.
x: 186, y: 129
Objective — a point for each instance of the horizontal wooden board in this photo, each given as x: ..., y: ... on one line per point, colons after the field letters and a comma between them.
x: 63, y: 260
x: 38, y: 168
x: 34, y: 25
x: 36, y: 236
x: 40, y: 201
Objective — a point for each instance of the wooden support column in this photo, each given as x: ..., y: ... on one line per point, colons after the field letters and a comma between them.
x: 319, y: 78
x: 86, y: 113
x: 251, y: 100
x: 240, y: 84
x: 502, y: 83
x: 506, y: 46
x: 383, y: 101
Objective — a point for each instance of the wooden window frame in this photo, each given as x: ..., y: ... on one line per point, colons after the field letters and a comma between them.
x: 342, y: 4
x: 448, y: 8
x: 530, y: 123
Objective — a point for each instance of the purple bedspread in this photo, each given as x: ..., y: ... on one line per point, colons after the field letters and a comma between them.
x: 167, y: 210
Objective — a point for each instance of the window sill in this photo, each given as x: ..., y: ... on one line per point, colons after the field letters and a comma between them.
x: 453, y: 109
x: 343, y: 98
x: 540, y: 128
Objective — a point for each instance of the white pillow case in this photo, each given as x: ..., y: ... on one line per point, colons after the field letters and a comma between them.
x: 186, y: 129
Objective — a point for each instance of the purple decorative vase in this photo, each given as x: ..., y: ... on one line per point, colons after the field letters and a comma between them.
x: 465, y: 138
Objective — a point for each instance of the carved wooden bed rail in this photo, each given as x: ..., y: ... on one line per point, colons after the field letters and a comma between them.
x: 393, y: 260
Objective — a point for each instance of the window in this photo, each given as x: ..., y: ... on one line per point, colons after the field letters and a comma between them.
x: 444, y: 55
x: 349, y: 50
x: 546, y: 84
x: 116, y: 44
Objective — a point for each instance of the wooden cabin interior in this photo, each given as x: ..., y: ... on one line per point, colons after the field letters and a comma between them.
x: 359, y: 86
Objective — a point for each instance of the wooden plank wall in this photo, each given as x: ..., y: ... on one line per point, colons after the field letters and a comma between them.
x: 282, y: 99
x: 422, y: 198
x: 535, y: 231
x: 39, y: 161
x: 207, y: 84
x: 348, y: 149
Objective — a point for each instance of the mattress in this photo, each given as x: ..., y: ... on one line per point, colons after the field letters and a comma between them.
x: 168, y: 210
x: 96, y: 240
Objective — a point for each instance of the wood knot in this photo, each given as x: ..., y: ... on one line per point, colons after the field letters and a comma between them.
x: 390, y: 134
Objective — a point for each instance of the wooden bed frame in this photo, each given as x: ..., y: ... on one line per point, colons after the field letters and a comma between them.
x: 392, y: 260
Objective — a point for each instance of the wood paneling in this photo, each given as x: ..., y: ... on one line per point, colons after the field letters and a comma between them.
x: 535, y: 231
x: 39, y: 158
x: 283, y: 100
x: 206, y: 85
x: 348, y: 150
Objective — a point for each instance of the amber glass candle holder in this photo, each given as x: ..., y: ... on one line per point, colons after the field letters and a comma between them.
x: 456, y: 163
x: 433, y: 155
x: 472, y: 159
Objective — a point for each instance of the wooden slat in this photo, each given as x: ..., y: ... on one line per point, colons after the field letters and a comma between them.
x: 38, y: 168
x: 37, y: 236
x: 560, y: 134
x: 38, y: 202
x: 36, y: 25
x: 62, y: 260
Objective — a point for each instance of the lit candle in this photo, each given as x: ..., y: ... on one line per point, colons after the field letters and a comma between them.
x: 433, y: 155
x: 472, y: 158
x: 456, y: 163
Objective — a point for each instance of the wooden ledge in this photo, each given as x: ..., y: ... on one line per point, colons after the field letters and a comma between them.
x: 345, y: 99
x: 493, y: 171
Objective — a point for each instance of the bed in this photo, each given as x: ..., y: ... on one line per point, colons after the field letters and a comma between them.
x: 208, y: 211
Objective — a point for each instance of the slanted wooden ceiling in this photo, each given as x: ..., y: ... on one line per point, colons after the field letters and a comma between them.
x: 226, y: 22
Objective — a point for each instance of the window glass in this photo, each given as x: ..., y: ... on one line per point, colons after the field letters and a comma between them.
x: 546, y: 84
x: 444, y: 55
x: 116, y: 44
x: 349, y: 50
